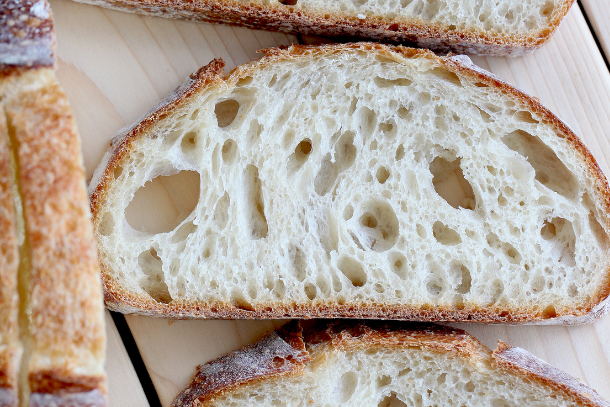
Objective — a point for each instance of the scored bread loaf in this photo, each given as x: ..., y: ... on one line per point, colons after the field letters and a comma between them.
x: 501, y: 27
x: 49, y: 268
x: 352, y: 181
x: 380, y: 364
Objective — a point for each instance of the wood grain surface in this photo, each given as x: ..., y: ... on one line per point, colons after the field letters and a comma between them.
x: 598, y: 12
x: 116, y: 66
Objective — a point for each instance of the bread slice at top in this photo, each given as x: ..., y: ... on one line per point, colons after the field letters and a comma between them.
x: 500, y: 27
x: 380, y: 364
x: 44, y: 203
x: 352, y: 181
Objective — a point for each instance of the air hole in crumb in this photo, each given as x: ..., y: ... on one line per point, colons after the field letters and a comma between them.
x: 496, y: 290
x: 447, y: 76
x: 398, y: 264
x: 273, y: 80
x: 189, y: 142
x: 445, y: 235
x: 383, y: 381
x: 300, y: 156
x: 449, y: 182
x: 240, y: 302
x: 391, y: 401
x: 400, y: 152
x: 345, y: 155
x: 599, y: 232
x: 377, y: 227
x: 229, y: 151
x: 118, y: 170
x: 549, y: 312
x: 154, y: 281
x: 469, y: 387
x: 255, y: 204
x: 526, y: 117
x: 434, y: 286
x: 386, y: 83
x: 346, y: 386
x: 507, y: 249
x: 106, y: 225
x: 164, y: 202
x: 299, y: 262
x: 550, y: 170
x: 382, y: 174
x: 547, y: 9
x: 403, y: 112
x: 353, y: 270
x: 226, y: 111
x: 244, y: 81
x: 183, y: 232
x: 310, y: 291
x: 466, y: 280
x: 195, y: 114
x: 348, y: 212
x: 221, y: 211
x: 560, y: 233
x: 421, y: 231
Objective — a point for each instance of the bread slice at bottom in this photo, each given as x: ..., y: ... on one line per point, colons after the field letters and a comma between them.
x: 334, y: 363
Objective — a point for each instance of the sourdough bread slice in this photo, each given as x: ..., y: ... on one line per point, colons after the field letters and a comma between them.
x: 380, y: 364
x: 43, y: 197
x: 352, y: 181
x: 501, y: 27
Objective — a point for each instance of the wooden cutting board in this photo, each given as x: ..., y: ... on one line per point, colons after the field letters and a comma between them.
x: 116, y: 66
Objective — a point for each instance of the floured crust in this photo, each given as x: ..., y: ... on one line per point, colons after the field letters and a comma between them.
x: 528, y: 365
x: 27, y: 39
x: 325, y: 337
x: 8, y: 397
x: 277, y: 354
x: 279, y: 17
x: 211, y: 78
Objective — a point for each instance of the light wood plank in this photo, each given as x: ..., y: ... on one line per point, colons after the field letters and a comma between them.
x: 136, y: 61
x: 124, y: 389
x: 598, y: 13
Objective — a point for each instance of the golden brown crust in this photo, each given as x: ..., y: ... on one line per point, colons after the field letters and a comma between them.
x: 207, y: 78
x: 9, y: 263
x: 64, y: 277
x: 324, y: 337
x: 280, y: 17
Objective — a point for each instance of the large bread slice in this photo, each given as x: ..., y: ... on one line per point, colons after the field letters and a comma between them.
x: 380, y: 364
x: 352, y: 181
x: 500, y: 27
x: 45, y: 211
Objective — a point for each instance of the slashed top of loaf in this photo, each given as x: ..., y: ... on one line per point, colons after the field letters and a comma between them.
x: 387, y: 364
x: 387, y: 183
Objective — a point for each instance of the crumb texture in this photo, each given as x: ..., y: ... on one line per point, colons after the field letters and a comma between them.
x: 356, y: 179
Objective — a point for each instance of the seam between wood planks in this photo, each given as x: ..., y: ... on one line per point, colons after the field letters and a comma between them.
x: 594, y: 34
x: 136, y: 359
